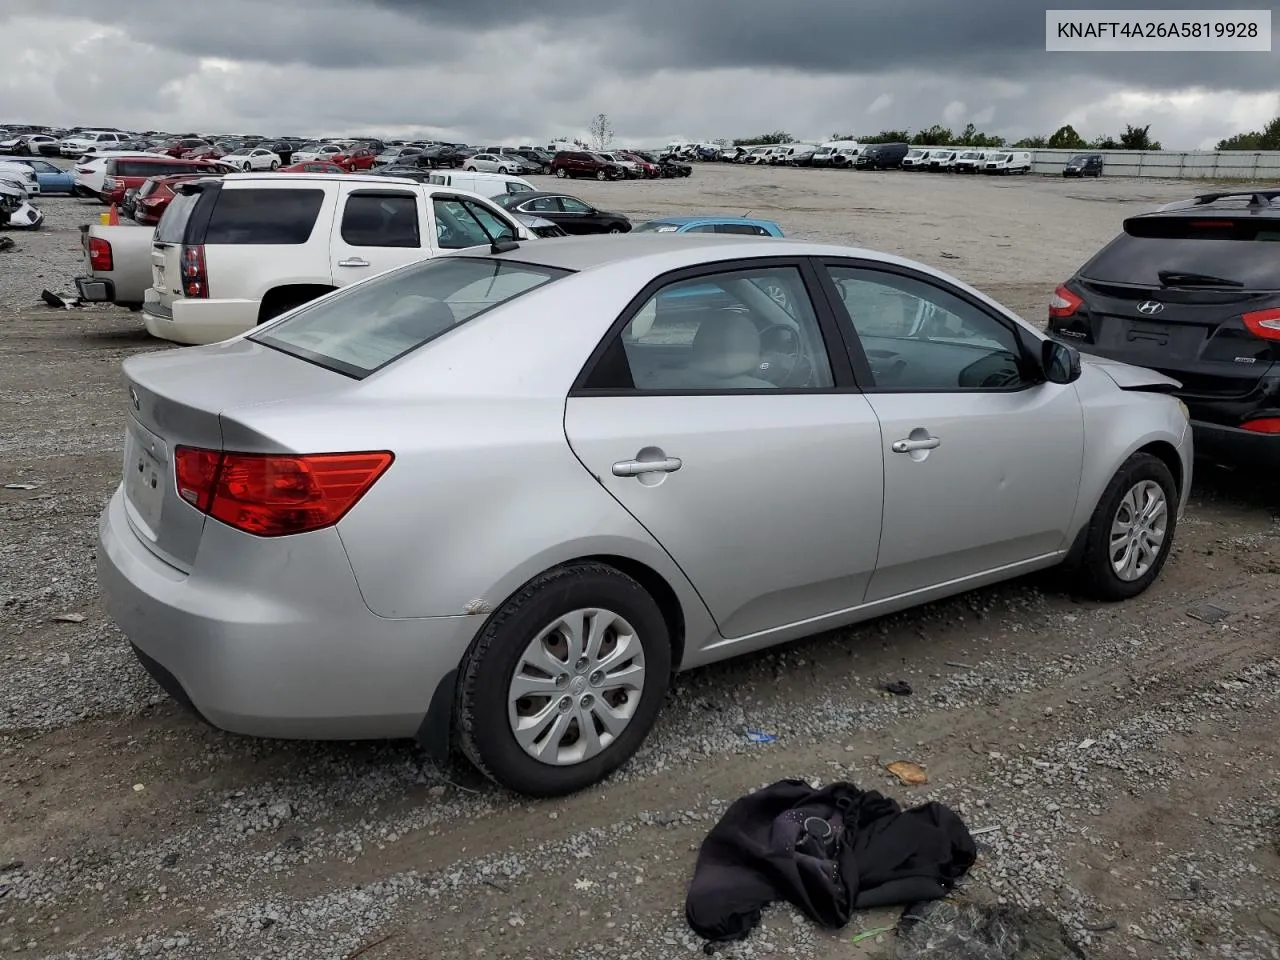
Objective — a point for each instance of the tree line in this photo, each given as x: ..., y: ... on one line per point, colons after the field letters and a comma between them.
x: 1064, y: 138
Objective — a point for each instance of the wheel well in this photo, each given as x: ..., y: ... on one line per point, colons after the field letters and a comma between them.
x: 291, y: 295
x: 661, y: 592
x: 1166, y: 452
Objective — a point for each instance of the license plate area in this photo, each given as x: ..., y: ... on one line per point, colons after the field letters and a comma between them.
x: 145, y: 479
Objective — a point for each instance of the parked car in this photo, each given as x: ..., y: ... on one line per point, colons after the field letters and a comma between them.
x: 415, y: 173
x: 485, y: 184
x: 91, y: 173
x: 801, y: 156
x: 942, y: 161
x: 576, y: 216
x: 917, y: 158
x: 443, y: 155
x: 90, y: 141
x: 117, y: 264
x: 491, y: 163
x: 317, y: 151
x: 30, y: 145
x: 630, y: 167
x: 22, y: 175
x: 153, y: 198
x: 233, y: 252
x: 314, y: 166
x: 583, y: 163
x: 50, y: 177
x: 742, y: 226
x: 669, y: 167
x: 181, y: 146
x: 395, y: 156
x: 316, y: 488
x: 648, y: 167
x: 540, y: 158
x: 122, y: 174
x: 826, y: 153
x: 846, y: 156
x: 1193, y: 292
x: 971, y: 161
x: 252, y: 158
x: 356, y: 159
x: 1008, y: 162
x: 881, y: 156
x: 1084, y: 165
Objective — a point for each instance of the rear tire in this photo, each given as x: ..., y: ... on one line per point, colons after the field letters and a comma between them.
x: 248, y: 167
x: 561, y: 173
x: 602, y: 175
x: 1138, y: 508
x: 487, y: 711
x: 275, y: 164
x: 275, y: 304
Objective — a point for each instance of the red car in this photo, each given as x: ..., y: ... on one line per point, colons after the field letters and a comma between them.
x: 313, y: 166
x: 182, y: 146
x: 123, y: 174
x: 154, y: 196
x: 650, y: 170
x: 361, y: 158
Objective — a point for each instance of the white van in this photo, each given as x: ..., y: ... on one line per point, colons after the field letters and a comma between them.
x: 827, y: 152
x: 789, y: 151
x: 485, y: 184
x: 917, y: 158
x: 1008, y: 162
x: 942, y: 160
x: 971, y: 161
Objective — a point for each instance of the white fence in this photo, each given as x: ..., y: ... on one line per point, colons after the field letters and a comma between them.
x: 1193, y: 164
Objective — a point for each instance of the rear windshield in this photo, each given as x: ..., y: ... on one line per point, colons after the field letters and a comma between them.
x: 173, y: 224
x: 265, y: 216
x: 361, y: 330
x: 1249, y: 256
x: 149, y: 168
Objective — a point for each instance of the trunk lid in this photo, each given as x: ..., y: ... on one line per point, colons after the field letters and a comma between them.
x: 189, y: 397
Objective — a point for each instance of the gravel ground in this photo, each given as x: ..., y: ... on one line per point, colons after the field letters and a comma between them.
x: 1122, y: 758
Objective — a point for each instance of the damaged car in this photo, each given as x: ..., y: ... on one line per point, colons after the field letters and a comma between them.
x: 16, y: 209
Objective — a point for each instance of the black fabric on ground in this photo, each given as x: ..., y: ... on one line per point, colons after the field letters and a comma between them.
x: 877, y: 855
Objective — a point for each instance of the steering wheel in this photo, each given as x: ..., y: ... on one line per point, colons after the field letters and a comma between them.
x: 1001, y: 379
x: 786, y: 345
x: 890, y: 370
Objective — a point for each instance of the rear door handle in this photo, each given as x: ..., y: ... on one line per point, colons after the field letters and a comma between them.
x: 353, y: 262
x: 906, y: 446
x: 633, y: 468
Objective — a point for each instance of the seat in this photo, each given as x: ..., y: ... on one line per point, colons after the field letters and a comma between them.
x: 725, y: 354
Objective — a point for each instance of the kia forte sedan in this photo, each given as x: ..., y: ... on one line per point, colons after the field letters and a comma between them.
x: 497, y: 498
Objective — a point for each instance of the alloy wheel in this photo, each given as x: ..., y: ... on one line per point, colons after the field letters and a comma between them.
x: 576, y: 687
x: 1138, y: 530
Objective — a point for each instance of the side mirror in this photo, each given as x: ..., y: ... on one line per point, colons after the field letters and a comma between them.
x: 1061, y: 363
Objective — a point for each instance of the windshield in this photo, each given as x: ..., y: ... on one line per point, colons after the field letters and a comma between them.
x: 361, y: 330
x: 242, y: 152
x: 1248, y: 255
x: 656, y: 226
x: 1078, y: 158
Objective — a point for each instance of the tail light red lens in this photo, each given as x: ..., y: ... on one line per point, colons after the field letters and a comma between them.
x: 1265, y: 425
x: 1263, y: 323
x: 195, y: 278
x: 270, y: 495
x: 1063, y: 303
x: 100, y: 259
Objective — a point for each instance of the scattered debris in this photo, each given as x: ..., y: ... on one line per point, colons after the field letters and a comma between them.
x: 370, y: 945
x: 138, y: 788
x: 169, y: 859
x: 68, y: 618
x: 868, y: 934
x: 1101, y: 927
x: 981, y: 831
x: 21, y: 486
x: 959, y: 665
x: 501, y: 888
x: 908, y: 772
x: 944, y: 930
x: 6, y: 243
x: 59, y: 300
x: 1085, y: 744
x: 759, y: 736
x: 1208, y: 613
x: 899, y: 688
x: 11, y: 866
x: 950, y: 256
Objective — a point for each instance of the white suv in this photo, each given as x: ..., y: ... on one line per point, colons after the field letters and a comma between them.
x: 237, y: 251
x: 90, y: 141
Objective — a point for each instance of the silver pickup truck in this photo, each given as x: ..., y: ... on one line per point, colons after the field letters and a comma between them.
x: 117, y: 262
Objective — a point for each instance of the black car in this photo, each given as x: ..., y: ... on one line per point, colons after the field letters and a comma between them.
x: 881, y: 156
x: 574, y: 215
x: 1084, y: 165
x: 1193, y: 291
x: 669, y: 166
x: 420, y: 174
x: 446, y: 155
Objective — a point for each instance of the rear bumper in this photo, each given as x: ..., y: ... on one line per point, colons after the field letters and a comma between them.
x: 198, y: 322
x: 1231, y: 445
x: 257, y: 649
x: 96, y: 290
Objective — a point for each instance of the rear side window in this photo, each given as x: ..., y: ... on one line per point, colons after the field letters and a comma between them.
x: 269, y: 216
x: 363, y: 328
x: 747, y: 228
x: 381, y: 220
x: 1248, y: 255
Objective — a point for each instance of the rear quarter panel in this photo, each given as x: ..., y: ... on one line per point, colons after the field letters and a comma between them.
x: 131, y: 259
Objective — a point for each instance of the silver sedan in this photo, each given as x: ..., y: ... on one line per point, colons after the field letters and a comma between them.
x: 497, y: 498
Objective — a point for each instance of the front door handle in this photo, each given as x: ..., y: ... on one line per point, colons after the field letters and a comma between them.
x: 353, y: 262
x: 906, y: 446
x: 633, y: 468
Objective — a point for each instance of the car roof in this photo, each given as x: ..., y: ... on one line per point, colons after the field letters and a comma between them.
x: 1245, y: 202
x: 712, y: 218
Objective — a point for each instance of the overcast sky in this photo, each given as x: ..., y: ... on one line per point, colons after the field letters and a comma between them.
x: 505, y: 71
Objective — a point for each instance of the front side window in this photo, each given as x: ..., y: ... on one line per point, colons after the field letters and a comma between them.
x: 367, y: 326
x: 573, y: 205
x: 738, y: 330
x: 464, y: 223
x: 918, y: 336
x: 372, y: 219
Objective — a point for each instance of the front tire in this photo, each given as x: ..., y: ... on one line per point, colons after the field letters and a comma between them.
x: 275, y: 164
x: 581, y: 659
x: 602, y: 175
x: 1131, y: 531
x: 248, y: 167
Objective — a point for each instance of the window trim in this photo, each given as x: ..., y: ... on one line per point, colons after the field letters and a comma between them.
x: 828, y: 329
x: 386, y: 195
x: 1026, y: 342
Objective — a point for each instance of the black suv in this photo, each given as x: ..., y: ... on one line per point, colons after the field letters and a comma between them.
x: 1084, y: 165
x: 1193, y: 291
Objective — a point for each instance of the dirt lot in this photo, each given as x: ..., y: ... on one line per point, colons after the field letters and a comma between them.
x: 1126, y: 756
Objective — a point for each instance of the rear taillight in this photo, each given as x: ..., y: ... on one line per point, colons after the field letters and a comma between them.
x: 1264, y: 425
x: 195, y: 278
x: 1063, y: 303
x: 275, y: 495
x: 1263, y: 323
x: 100, y: 259
x: 109, y: 184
